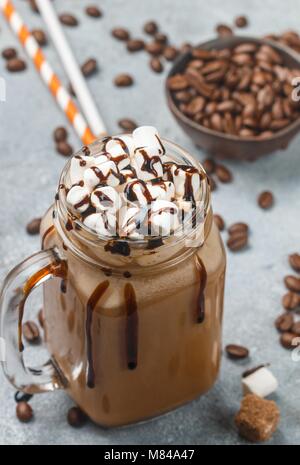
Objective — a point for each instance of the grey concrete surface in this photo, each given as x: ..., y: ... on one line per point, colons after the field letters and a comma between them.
x: 29, y: 170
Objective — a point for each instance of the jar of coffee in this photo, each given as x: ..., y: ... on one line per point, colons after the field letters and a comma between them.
x: 133, y: 271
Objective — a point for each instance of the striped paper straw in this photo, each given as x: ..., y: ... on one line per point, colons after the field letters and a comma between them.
x: 61, y: 95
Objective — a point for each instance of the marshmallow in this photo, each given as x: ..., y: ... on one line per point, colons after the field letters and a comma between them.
x: 262, y: 383
x: 119, y: 150
x: 147, y: 163
x: 79, y: 198
x: 127, y: 175
x: 137, y: 191
x: 162, y: 190
x: 147, y: 136
x: 163, y: 217
x: 79, y: 163
x: 105, y: 174
x: 187, y: 181
x: 103, y: 224
x: 106, y: 198
x: 102, y: 158
x: 131, y: 220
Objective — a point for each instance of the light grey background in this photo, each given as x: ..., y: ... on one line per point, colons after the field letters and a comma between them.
x: 29, y: 174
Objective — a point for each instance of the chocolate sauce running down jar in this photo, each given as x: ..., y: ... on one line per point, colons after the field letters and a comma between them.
x: 133, y: 327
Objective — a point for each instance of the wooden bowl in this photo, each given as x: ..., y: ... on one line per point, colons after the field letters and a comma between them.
x: 230, y: 146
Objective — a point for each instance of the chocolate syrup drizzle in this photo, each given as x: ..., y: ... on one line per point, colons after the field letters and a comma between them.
x: 131, y: 326
x: 58, y: 269
x: 200, y: 310
x: 91, y: 304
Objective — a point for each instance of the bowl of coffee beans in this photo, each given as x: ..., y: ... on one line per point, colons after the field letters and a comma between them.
x: 237, y: 97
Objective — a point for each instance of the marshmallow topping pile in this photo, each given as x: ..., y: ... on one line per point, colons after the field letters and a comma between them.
x: 132, y: 188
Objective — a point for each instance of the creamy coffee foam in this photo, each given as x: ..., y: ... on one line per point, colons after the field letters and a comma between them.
x: 132, y: 188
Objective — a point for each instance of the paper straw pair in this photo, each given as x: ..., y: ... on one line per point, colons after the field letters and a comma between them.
x: 58, y: 91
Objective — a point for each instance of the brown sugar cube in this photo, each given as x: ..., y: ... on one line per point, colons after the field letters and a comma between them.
x: 257, y: 418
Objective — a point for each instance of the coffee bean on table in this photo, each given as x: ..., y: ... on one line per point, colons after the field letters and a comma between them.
x: 76, y: 417
x: 120, y: 33
x: 237, y: 241
x: 296, y: 328
x: 223, y: 30
x: 223, y: 173
x: 64, y: 148
x: 209, y: 165
x: 68, y: 19
x: 135, y: 45
x: 288, y: 340
x: 170, y: 53
x: 41, y: 318
x: 40, y: 36
x: 294, y: 260
x: 151, y: 27
x: 265, y: 200
x: 123, y: 80
x: 60, y: 134
x: 127, y: 124
x: 241, y: 21
x: 212, y: 184
x: 33, y: 6
x: 156, y: 65
x: 15, y: 65
x: 239, y: 227
x: 219, y: 222
x: 284, y: 322
x: 9, y: 53
x: 236, y: 351
x: 33, y: 227
x: 160, y: 37
x: 93, y: 11
x: 22, y: 397
x: 291, y: 300
x: 24, y: 412
x: 292, y: 283
x: 89, y: 67
x: 31, y: 332
x: 154, y: 48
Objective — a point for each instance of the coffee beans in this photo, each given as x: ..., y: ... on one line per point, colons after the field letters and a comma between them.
x: 154, y: 48
x: 246, y: 89
x: 289, y: 340
x: 296, y: 328
x: 9, y: 53
x: 135, y: 45
x: 209, y: 165
x: 223, y: 30
x: 93, y: 11
x: 170, y: 53
x: 89, y: 67
x: 223, y: 173
x: 294, y: 261
x: 127, y: 124
x: 33, y: 227
x: 39, y: 36
x: 68, y: 20
x: 219, y: 222
x: 31, y: 332
x: 238, y: 236
x: 292, y: 283
x: 15, y: 65
x: 241, y: 21
x: 76, y: 417
x: 236, y: 351
x: 123, y: 80
x: 265, y: 200
x: 120, y: 33
x: 156, y: 65
x: 22, y: 397
x: 151, y: 27
x: 60, y: 134
x: 24, y: 412
x: 64, y: 148
x: 284, y: 322
x: 291, y: 300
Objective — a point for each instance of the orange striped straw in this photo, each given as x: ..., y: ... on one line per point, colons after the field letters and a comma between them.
x: 60, y: 94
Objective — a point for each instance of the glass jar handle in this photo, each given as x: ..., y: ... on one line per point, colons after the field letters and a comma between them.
x: 17, y: 286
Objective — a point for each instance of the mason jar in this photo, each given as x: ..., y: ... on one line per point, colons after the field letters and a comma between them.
x: 133, y: 328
